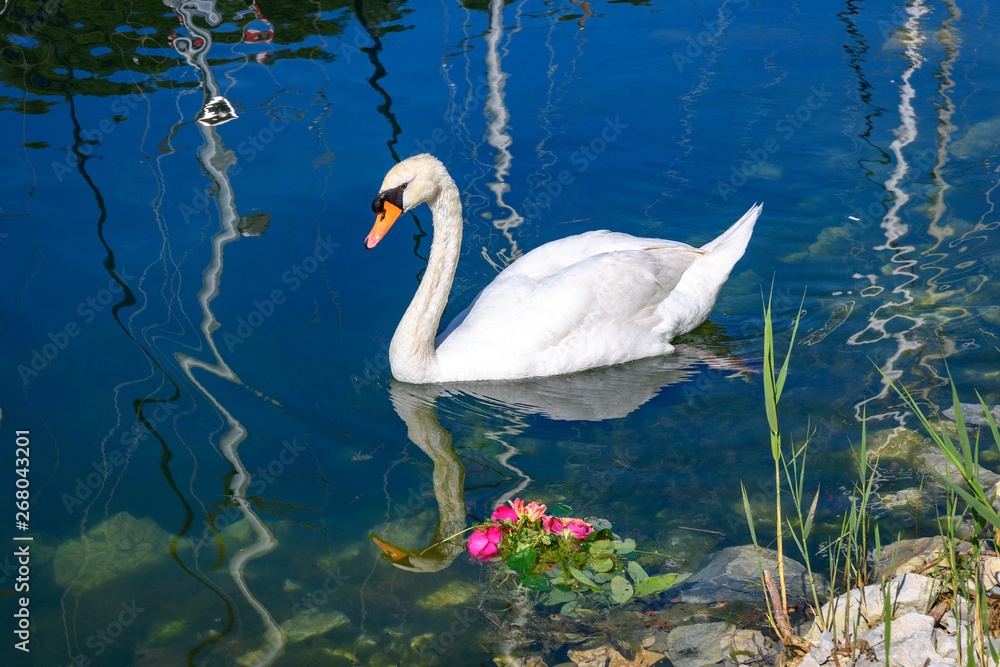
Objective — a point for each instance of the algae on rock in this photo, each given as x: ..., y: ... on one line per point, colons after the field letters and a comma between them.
x: 311, y: 623
x: 451, y: 594
x: 112, y: 548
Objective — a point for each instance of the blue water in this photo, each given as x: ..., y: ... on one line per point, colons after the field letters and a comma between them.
x: 194, y: 335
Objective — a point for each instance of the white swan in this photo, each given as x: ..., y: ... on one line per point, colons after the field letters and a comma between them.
x: 591, y: 300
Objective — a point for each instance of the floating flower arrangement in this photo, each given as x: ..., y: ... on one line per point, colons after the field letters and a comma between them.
x: 567, y: 556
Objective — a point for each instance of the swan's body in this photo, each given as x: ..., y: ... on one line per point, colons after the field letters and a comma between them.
x: 591, y: 300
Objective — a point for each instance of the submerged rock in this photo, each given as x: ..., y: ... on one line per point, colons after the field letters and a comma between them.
x: 935, y: 460
x: 410, y: 532
x: 349, y: 552
x: 898, y: 443
x: 166, y: 632
x: 906, y: 498
x: 748, y: 647
x: 526, y: 661
x: 312, y: 623
x: 981, y: 139
x: 453, y: 593
x: 734, y: 574
x: 973, y: 414
x: 696, y: 645
x: 605, y: 656
x: 113, y: 547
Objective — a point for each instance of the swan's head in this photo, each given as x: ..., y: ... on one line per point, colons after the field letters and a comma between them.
x: 412, y: 182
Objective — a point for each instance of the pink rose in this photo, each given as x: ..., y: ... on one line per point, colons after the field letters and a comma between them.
x: 534, y: 511
x: 483, y: 544
x: 504, y: 514
x: 553, y: 524
x: 578, y: 528
x: 518, y: 506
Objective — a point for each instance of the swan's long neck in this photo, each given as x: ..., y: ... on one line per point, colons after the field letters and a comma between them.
x: 411, y: 353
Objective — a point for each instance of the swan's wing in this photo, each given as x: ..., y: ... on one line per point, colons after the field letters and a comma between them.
x: 549, y: 259
x: 581, y: 312
x: 554, y: 256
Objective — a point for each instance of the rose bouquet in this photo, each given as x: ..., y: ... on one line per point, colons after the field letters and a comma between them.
x: 562, y: 554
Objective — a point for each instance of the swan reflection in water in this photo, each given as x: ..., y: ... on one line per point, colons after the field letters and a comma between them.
x: 595, y: 395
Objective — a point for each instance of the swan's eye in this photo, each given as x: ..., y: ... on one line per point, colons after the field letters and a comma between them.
x: 394, y: 196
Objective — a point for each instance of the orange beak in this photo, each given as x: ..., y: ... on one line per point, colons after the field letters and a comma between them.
x: 391, y: 552
x: 390, y: 213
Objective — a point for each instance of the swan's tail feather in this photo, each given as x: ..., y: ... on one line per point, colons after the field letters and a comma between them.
x: 736, y: 237
x: 692, y: 299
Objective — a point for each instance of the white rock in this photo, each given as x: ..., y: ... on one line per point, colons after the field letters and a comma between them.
x: 911, y: 640
x: 863, y: 608
x: 949, y: 623
x: 991, y: 571
x: 946, y: 645
x: 809, y: 661
x: 826, y: 646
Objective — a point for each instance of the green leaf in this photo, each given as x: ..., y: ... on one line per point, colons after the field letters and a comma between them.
x: 560, y: 510
x: 537, y: 582
x: 523, y: 560
x: 569, y: 608
x: 583, y: 579
x: 984, y: 510
x: 560, y: 596
x: 626, y: 547
x: 749, y: 513
x: 601, y: 564
x: 602, y: 549
x: 989, y: 418
x: 654, y: 585
x: 599, y: 536
x: 621, y: 590
x: 602, y: 577
x: 779, y: 385
x: 807, y: 526
x: 636, y: 572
